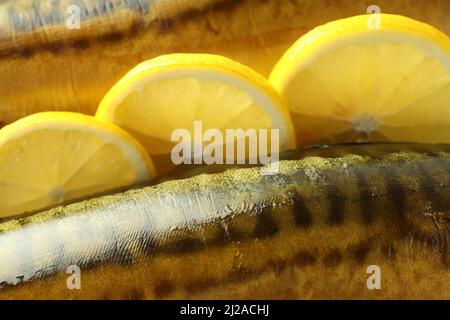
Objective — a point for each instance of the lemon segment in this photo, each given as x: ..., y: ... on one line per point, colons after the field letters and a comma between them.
x: 52, y: 157
x: 344, y: 81
x: 171, y: 92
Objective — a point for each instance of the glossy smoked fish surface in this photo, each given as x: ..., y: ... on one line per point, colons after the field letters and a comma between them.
x: 310, y: 231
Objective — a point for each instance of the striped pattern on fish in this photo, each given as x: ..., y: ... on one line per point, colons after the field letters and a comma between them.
x: 328, y: 211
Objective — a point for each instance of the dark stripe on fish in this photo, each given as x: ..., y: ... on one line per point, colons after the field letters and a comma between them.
x: 137, y: 27
x: 265, y: 226
x: 302, y: 216
x: 366, y: 198
x: 336, y: 205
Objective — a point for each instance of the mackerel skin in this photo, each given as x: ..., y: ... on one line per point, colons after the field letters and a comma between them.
x: 309, y: 231
x: 46, y: 65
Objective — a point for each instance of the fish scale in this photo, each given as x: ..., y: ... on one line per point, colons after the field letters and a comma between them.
x: 330, y: 210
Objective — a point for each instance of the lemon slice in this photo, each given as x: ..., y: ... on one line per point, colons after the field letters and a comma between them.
x: 171, y: 92
x: 52, y: 157
x: 355, y: 79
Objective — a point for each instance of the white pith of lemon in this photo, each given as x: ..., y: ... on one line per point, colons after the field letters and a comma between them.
x: 53, y: 157
x: 344, y: 81
x: 171, y: 92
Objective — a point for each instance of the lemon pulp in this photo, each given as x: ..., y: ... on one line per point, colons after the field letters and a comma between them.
x: 52, y: 157
x: 344, y: 81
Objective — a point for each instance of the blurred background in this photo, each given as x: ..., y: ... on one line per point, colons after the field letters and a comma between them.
x: 44, y: 65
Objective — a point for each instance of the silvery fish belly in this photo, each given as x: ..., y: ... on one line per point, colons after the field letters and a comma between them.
x: 66, y: 54
x: 349, y: 221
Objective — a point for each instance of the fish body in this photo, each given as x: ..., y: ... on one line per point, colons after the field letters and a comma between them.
x: 314, y: 229
x: 66, y: 54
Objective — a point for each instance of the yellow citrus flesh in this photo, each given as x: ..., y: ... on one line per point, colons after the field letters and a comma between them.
x: 171, y: 92
x: 53, y: 157
x: 354, y: 79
